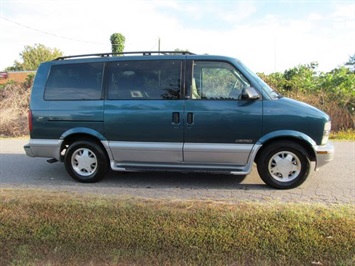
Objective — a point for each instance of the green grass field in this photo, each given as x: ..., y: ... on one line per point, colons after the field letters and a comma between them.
x: 49, y: 228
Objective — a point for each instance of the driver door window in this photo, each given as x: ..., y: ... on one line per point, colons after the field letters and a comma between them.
x: 216, y: 81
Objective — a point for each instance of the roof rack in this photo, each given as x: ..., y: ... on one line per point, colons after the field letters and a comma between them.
x: 127, y: 53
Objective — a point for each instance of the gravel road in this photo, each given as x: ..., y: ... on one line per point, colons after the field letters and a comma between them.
x: 332, y: 184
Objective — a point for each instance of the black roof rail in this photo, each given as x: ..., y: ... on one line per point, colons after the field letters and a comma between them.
x: 126, y: 53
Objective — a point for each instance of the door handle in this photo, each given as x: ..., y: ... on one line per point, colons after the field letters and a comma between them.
x: 176, y: 118
x: 190, y: 118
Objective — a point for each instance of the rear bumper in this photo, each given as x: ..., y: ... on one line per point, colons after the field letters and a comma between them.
x: 28, y: 150
x: 47, y: 148
x: 324, y: 154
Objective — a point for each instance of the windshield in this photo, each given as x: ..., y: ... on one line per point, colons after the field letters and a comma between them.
x: 273, y: 94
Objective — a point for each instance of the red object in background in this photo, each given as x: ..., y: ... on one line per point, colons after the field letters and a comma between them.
x: 3, y: 75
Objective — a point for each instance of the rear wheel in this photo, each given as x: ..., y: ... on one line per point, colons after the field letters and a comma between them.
x: 86, y: 161
x: 283, y: 165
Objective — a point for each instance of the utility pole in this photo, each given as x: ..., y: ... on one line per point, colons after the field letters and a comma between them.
x: 159, y: 45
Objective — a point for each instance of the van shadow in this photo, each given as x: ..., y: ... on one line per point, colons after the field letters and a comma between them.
x: 22, y: 170
x: 156, y: 180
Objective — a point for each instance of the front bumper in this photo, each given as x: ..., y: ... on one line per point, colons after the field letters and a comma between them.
x: 324, y: 154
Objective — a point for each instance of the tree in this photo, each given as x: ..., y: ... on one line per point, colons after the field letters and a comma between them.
x: 301, y: 78
x: 33, y: 56
x: 117, y: 42
x: 351, y: 63
x: 340, y: 84
x: 274, y: 80
x: 16, y: 67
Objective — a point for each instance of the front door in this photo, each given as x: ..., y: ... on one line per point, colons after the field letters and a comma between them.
x: 221, y: 128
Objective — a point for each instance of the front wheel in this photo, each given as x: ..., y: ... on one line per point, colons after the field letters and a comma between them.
x: 86, y: 162
x: 283, y: 165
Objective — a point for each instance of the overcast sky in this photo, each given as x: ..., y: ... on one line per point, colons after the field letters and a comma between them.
x: 268, y: 36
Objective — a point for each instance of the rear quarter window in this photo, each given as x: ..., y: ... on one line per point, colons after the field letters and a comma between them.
x: 74, y: 82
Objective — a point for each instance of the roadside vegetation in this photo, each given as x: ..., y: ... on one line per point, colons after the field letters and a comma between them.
x: 14, y: 105
x: 51, y: 228
x: 346, y: 135
x: 333, y: 92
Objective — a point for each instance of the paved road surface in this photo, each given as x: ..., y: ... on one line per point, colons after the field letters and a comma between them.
x: 334, y: 183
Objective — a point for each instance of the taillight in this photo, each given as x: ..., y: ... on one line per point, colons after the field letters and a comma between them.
x: 30, y: 120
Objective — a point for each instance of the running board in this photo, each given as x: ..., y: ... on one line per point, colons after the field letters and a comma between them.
x: 230, y: 169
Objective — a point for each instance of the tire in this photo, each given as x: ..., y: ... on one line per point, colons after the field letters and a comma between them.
x: 283, y: 165
x: 86, y: 162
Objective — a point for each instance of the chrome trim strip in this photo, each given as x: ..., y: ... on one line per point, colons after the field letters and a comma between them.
x: 158, y: 152
x: 149, y: 152
x: 126, y: 156
x: 106, y: 145
x: 131, y: 166
x: 249, y: 166
x: 217, y: 153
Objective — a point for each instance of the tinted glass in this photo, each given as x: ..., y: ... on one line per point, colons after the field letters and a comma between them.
x: 144, y: 80
x: 74, y: 82
x: 217, y: 81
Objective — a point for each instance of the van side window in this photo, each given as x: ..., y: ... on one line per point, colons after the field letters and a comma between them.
x: 216, y: 81
x: 139, y: 80
x: 74, y: 82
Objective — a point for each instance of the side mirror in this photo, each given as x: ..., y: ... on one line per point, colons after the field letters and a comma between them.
x: 250, y: 93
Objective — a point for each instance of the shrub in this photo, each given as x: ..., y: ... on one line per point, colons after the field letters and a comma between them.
x: 14, y: 104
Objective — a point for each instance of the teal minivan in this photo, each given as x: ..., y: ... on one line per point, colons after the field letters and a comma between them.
x: 171, y: 111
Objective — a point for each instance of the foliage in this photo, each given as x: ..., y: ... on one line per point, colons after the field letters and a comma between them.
x: 117, y: 42
x: 333, y: 92
x: 29, y: 80
x: 347, y: 135
x: 14, y: 103
x: 33, y: 56
x: 181, y: 50
x: 17, y: 66
x: 351, y: 63
x: 300, y: 78
x: 340, y: 82
x: 46, y: 228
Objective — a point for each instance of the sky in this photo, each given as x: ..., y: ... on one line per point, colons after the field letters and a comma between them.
x: 268, y: 36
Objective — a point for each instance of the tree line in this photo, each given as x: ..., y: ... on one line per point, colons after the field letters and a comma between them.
x: 332, y: 92
x: 305, y: 79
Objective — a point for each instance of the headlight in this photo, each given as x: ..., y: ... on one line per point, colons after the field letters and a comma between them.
x: 326, y: 132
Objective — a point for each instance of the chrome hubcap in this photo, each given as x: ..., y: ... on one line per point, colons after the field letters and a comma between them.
x: 84, y: 162
x: 284, y: 166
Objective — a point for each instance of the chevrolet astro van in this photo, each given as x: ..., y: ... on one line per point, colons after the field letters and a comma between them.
x: 171, y: 111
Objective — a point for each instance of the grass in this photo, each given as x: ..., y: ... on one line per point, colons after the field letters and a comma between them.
x: 347, y: 135
x: 49, y: 228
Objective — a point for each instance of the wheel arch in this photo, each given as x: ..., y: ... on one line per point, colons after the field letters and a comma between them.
x: 78, y: 134
x: 285, y: 135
